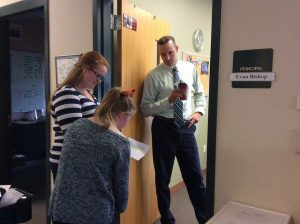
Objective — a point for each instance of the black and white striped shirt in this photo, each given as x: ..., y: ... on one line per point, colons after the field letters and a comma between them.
x: 67, y: 106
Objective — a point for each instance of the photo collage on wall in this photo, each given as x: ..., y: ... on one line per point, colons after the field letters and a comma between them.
x: 201, y: 62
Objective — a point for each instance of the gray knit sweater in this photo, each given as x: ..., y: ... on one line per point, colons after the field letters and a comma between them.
x: 92, y: 179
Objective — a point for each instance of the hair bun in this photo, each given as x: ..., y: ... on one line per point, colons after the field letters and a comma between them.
x: 129, y: 92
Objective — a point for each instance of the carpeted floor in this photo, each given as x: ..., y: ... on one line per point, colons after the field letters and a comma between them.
x: 182, y: 209
x: 38, y: 212
x: 180, y: 205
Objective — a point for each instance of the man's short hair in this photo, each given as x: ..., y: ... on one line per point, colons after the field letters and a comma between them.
x: 165, y: 39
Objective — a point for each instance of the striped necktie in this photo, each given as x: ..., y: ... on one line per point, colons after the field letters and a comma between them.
x: 177, y: 104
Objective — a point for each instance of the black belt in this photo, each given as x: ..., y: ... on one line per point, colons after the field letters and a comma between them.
x: 166, y: 119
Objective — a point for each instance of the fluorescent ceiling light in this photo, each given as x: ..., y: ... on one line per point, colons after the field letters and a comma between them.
x: 8, y: 2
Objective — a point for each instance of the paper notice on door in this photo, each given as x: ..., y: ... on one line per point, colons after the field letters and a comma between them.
x: 138, y: 149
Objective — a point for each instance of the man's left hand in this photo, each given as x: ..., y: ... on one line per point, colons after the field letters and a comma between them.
x: 194, y: 118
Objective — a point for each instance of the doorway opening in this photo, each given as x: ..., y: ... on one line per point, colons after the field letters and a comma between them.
x: 202, y: 16
x: 27, y: 128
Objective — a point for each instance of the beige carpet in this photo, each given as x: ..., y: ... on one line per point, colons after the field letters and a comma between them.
x: 38, y: 212
x: 182, y: 208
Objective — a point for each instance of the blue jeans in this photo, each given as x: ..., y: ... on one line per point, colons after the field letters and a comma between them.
x: 169, y: 142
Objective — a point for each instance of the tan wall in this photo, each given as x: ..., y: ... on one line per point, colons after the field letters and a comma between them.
x: 70, y: 30
x: 256, y: 162
x: 184, y: 18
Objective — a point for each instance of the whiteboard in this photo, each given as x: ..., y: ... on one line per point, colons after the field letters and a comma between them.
x: 27, y: 81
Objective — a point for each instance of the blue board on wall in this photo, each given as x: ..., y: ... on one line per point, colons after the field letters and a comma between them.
x: 27, y: 81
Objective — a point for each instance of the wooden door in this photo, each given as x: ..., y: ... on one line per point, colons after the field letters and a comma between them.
x: 137, y: 52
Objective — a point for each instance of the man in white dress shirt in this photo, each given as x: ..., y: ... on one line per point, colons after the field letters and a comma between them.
x: 170, y: 140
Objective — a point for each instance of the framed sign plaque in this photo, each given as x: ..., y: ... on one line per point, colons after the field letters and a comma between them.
x: 252, y: 68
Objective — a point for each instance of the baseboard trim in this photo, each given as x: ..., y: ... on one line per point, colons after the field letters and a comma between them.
x: 177, y: 187
x: 181, y: 185
x: 204, y: 173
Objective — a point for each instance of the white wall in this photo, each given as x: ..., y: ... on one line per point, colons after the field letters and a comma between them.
x: 70, y: 30
x: 184, y: 18
x: 256, y: 162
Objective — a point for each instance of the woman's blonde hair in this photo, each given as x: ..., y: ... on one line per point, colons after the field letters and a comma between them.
x: 114, y: 102
x: 88, y: 60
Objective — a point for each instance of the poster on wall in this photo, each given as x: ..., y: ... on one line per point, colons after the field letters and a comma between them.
x: 201, y: 62
x: 64, y: 65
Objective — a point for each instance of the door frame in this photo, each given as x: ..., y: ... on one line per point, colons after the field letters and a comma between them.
x: 27, y: 6
x: 213, y: 105
x: 5, y: 155
x: 103, y: 40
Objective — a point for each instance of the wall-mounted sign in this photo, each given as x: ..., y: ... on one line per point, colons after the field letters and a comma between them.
x: 129, y: 22
x: 252, y: 68
x: 252, y: 76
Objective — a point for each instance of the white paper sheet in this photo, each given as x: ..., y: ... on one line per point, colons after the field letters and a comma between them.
x: 138, y: 149
x: 6, y: 187
x: 10, y: 197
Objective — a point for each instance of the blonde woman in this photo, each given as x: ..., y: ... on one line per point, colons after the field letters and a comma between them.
x: 73, y: 99
x: 92, y: 178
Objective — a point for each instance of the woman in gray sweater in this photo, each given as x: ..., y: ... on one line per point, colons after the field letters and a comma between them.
x: 92, y: 178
